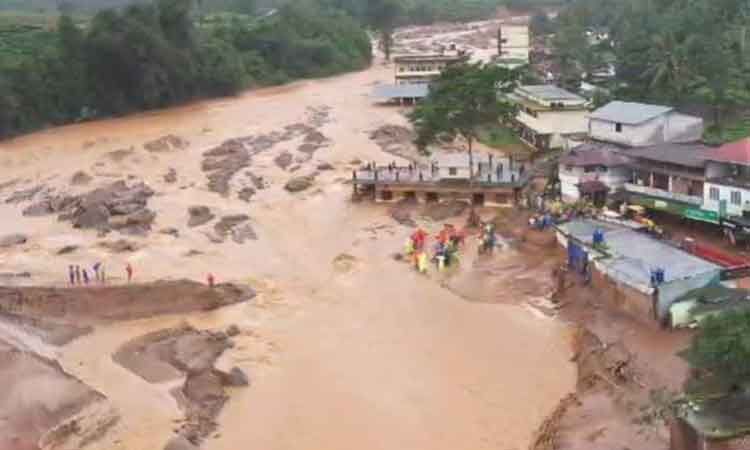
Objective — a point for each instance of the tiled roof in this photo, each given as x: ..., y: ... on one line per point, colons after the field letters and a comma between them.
x: 735, y: 153
x: 629, y: 113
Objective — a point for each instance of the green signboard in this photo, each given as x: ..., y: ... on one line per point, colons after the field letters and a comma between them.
x: 701, y: 215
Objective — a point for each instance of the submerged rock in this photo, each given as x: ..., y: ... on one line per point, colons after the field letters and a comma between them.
x: 11, y: 240
x: 80, y: 178
x: 299, y: 184
x: 199, y: 215
x: 236, y: 378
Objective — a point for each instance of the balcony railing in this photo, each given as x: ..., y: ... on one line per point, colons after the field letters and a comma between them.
x: 661, y: 193
x: 403, y: 176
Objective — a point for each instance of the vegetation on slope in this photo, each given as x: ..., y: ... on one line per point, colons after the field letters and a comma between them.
x: 678, y: 52
x: 155, y: 55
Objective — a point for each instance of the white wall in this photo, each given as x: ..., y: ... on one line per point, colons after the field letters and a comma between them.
x: 462, y: 173
x: 671, y: 127
x: 614, y: 178
x: 725, y: 193
x: 647, y: 133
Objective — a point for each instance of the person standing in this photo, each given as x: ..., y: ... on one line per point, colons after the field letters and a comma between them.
x: 102, y: 274
x: 78, y: 275
x: 210, y: 280
x: 72, y: 275
x: 96, y: 268
x: 85, y: 277
x: 129, y: 270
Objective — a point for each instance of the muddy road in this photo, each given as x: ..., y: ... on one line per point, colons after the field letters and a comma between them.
x: 353, y: 352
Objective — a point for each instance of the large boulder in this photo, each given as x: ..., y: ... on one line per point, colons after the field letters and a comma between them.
x: 80, y: 178
x: 298, y: 184
x: 199, y: 215
x: 244, y: 233
x: 284, y: 160
x: 235, y: 377
x: 227, y: 223
x: 38, y: 209
x: 94, y: 217
x: 11, y: 240
x: 246, y: 193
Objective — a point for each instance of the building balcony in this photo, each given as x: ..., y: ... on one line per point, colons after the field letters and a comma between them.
x: 663, y: 194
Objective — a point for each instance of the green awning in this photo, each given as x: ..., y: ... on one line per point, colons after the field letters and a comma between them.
x: 676, y: 208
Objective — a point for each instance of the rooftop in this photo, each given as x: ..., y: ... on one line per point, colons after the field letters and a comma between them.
x: 715, y: 298
x: 733, y: 153
x: 629, y: 113
x: 688, y: 155
x: 632, y: 255
x: 423, y: 57
x: 397, y: 91
x: 548, y: 92
x: 594, y: 155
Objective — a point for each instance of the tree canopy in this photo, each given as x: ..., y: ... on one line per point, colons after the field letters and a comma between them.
x: 151, y: 55
x: 680, y: 52
x: 721, y: 349
x: 464, y: 97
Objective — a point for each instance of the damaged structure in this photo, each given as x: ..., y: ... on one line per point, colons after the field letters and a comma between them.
x: 477, y: 179
x: 623, y: 263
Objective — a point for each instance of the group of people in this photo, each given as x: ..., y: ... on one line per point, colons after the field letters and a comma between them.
x: 79, y: 276
x: 444, y: 252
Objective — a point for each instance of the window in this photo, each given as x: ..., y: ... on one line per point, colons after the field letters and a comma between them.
x: 736, y: 198
x: 568, y: 168
x: 713, y: 193
x: 603, y: 169
x: 452, y: 171
x: 589, y: 169
x: 618, y: 127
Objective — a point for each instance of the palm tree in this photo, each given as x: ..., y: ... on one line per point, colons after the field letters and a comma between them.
x: 670, y: 67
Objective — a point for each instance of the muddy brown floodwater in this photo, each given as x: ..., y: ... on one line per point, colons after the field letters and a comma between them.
x: 365, y: 355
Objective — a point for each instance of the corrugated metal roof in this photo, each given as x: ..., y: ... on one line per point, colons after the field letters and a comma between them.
x: 734, y: 153
x: 396, y: 91
x: 548, y: 92
x: 629, y: 113
x: 688, y: 155
x: 594, y: 155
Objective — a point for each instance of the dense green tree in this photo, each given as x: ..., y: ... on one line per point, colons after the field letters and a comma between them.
x: 463, y: 98
x: 384, y: 15
x: 722, y: 347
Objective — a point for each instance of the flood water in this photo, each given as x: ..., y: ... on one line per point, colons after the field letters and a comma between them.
x: 369, y: 355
